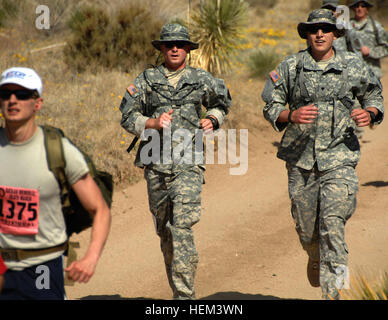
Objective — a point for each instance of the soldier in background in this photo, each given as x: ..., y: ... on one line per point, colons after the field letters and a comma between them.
x: 166, y: 99
x: 371, y: 34
x: 319, y: 146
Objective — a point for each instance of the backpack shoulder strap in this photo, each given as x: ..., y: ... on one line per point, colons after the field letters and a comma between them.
x: 56, y: 160
x: 299, y: 77
x: 375, y: 30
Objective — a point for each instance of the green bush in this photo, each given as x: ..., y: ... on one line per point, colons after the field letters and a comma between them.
x: 262, y: 62
x: 8, y: 9
x: 133, y: 32
x: 120, y: 42
x: 90, y: 44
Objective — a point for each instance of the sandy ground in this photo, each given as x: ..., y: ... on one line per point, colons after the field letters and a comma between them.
x: 246, y: 239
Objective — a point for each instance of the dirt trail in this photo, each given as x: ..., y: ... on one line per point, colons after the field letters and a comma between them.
x: 246, y: 239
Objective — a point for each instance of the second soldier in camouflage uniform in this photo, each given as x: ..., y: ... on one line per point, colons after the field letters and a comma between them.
x: 369, y: 36
x: 319, y: 146
x: 168, y: 98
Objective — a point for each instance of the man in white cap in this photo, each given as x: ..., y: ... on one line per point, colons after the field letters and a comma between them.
x: 32, y: 228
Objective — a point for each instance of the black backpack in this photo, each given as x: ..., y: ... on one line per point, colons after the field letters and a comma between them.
x: 76, y: 217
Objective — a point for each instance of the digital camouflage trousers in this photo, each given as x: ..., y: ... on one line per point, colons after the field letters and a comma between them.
x: 321, y: 203
x: 175, y: 203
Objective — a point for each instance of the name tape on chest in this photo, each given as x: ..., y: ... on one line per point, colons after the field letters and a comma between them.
x: 274, y: 76
x: 19, y: 211
x: 132, y: 89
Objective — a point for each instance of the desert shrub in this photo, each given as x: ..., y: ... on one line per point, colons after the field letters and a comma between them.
x: 90, y: 45
x: 120, y: 42
x: 8, y: 9
x: 133, y: 32
x: 262, y: 62
x: 219, y: 28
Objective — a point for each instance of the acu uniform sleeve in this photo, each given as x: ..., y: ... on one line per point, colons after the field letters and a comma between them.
x: 133, y: 119
x: 274, y: 95
x: 381, y: 49
x: 218, y: 101
x: 369, y: 93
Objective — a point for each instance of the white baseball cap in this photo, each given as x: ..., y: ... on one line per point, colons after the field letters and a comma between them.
x: 24, y: 77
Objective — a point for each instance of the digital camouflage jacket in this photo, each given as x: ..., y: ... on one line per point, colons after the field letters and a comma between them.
x: 151, y: 95
x: 369, y: 33
x: 329, y: 141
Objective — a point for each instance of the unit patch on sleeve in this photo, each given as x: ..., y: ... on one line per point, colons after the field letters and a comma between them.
x: 131, y: 89
x: 274, y: 76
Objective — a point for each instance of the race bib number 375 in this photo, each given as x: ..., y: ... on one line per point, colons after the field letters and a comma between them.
x: 19, y: 211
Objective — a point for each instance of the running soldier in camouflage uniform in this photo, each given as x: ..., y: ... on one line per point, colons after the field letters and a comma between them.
x: 169, y: 98
x: 371, y: 35
x: 319, y: 145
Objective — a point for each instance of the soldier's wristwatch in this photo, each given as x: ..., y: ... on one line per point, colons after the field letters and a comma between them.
x: 372, y: 116
x: 289, y: 116
x: 214, y: 123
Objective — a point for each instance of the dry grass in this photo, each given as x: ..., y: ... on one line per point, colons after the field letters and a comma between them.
x: 366, y: 287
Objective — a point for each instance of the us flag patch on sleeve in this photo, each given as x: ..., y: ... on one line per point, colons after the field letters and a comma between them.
x: 274, y: 76
x: 131, y: 89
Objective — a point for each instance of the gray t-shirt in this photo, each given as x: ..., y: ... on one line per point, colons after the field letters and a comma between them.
x: 25, y: 166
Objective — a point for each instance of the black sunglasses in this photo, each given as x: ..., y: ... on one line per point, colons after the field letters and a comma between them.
x: 325, y: 28
x: 19, y: 94
x: 362, y: 5
x: 172, y: 44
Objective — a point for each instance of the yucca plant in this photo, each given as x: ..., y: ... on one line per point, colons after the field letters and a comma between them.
x: 218, y: 26
x: 362, y: 288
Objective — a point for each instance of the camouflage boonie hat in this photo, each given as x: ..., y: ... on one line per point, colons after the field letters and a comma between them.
x: 369, y: 4
x: 174, y: 32
x: 319, y: 16
x: 330, y: 4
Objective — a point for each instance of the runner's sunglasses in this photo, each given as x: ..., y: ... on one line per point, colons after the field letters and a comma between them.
x: 19, y: 94
x: 325, y: 28
x: 172, y: 44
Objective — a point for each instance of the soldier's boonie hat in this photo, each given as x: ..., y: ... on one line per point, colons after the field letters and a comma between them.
x: 354, y: 3
x: 24, y: 77
x: 330, y: 4
x: 174, y: 32
x: 319, y: 16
